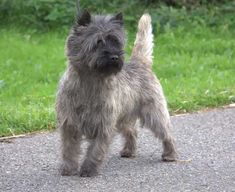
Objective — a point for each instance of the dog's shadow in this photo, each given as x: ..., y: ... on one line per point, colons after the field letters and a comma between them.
x: 116, y: 164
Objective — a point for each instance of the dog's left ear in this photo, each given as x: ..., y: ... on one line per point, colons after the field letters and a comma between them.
x: 118, y: 18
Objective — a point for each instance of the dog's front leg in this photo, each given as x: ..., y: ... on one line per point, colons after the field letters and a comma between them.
x: 95, y: 155
x: 70, y: 138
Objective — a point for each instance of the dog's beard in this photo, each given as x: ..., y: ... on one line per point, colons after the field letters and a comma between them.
x: 105, y: 66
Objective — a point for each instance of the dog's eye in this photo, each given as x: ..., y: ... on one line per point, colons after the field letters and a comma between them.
x: 106, y: 52
x: 99, y: 42
x: 115, y: 40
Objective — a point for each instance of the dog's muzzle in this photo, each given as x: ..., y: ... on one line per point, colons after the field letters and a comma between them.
x: 112, y: 64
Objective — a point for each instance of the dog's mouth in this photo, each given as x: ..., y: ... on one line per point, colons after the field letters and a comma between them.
x: 109, y: 67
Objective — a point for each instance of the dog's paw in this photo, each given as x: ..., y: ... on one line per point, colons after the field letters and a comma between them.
x: 87, y: 171
x: 169, y: 157
x: 69, y: 169
x: 127, y: 153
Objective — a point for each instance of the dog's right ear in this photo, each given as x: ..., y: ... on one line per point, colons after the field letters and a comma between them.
x: 84, y: 18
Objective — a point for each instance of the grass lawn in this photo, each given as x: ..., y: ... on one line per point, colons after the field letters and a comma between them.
x: 196, y: 67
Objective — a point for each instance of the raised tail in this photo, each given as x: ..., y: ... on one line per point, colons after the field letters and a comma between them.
x: 143, y: 46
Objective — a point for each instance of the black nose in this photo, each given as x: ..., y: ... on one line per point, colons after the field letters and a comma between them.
x: 113, y: 57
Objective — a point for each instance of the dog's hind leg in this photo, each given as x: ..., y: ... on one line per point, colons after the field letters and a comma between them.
x: 155, y: 116
x: 130, y: 134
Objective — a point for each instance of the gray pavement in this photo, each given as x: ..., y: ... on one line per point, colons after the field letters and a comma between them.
x: 208, y: 138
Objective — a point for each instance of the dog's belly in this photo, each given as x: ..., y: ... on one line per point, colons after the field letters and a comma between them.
x: 89, y: 128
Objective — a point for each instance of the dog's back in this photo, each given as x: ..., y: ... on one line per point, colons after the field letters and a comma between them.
x: 137, y: 74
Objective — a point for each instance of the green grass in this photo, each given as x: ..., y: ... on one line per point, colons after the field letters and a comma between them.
x: 30, y: 68
x: 196, y: 67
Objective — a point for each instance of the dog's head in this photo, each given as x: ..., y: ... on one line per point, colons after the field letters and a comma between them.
x: 97, y: 43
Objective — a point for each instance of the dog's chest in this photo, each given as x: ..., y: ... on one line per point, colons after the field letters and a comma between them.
x: 95, y: 110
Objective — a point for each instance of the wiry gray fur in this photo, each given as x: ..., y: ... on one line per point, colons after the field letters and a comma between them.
x: 100, y: 94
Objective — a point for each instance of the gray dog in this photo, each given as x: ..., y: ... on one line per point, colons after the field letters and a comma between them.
x: 99, y: 94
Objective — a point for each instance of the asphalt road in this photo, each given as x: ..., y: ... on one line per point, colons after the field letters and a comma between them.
x: 31, y: 164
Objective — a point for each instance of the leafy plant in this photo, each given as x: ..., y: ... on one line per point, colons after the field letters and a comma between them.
x: 49, y: 14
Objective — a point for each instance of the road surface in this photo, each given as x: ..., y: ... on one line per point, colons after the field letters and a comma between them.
x: 30, y: 164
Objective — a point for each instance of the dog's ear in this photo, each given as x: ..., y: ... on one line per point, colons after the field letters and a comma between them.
x: 118, y: 18
x: 84, y: 18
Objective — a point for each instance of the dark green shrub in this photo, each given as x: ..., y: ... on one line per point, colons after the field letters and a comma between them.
x: 48, y: 14
x: 41, y: 13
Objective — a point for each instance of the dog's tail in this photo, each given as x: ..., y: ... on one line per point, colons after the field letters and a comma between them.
x: 143, y: 46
